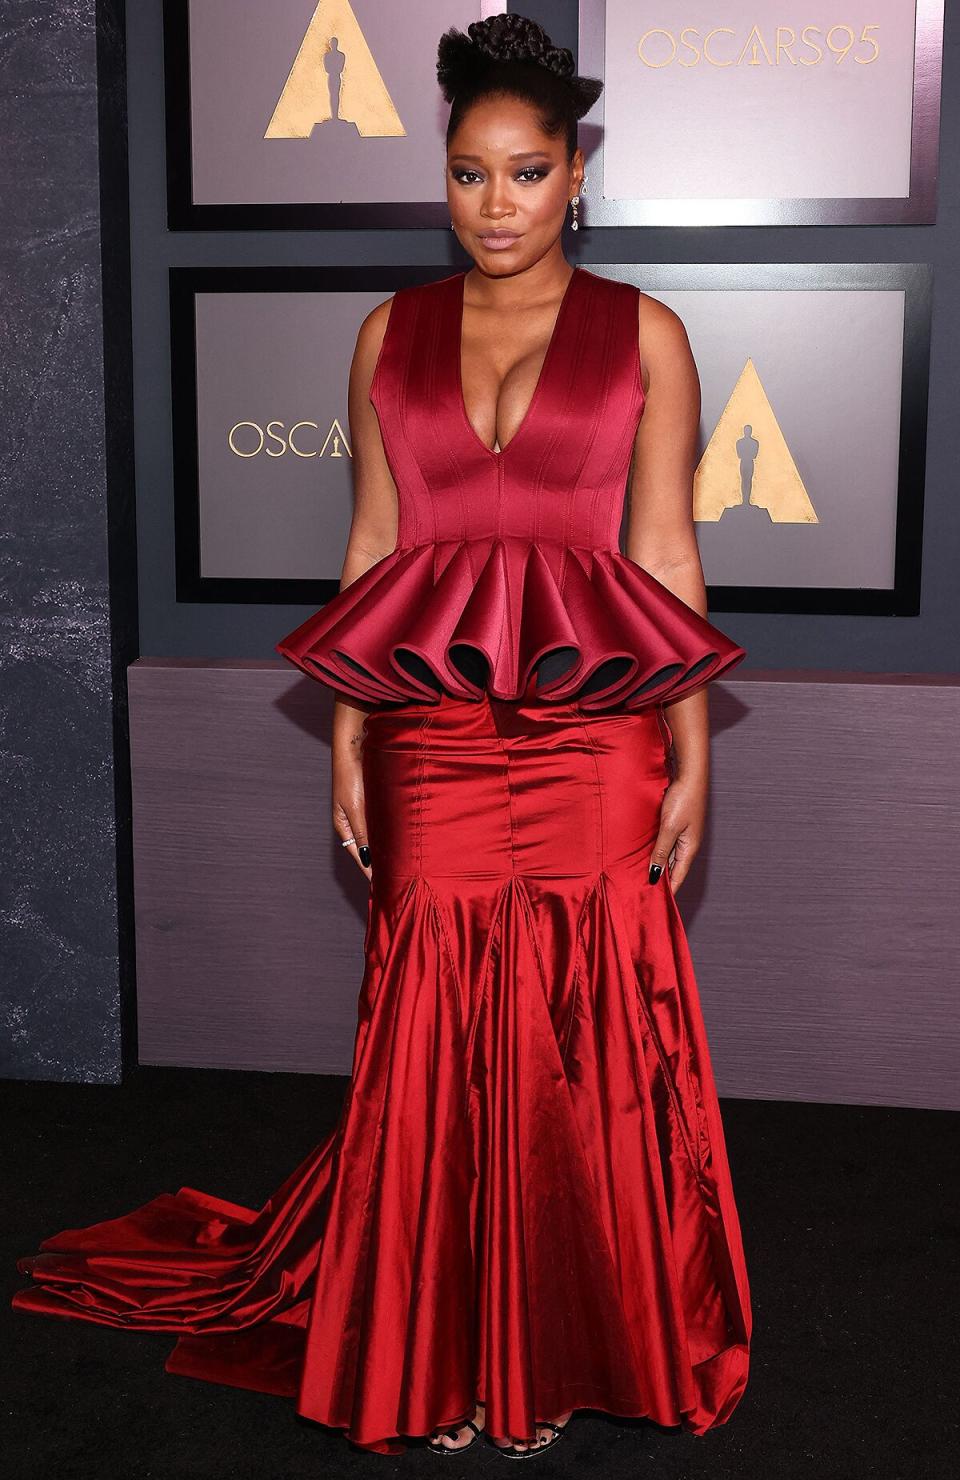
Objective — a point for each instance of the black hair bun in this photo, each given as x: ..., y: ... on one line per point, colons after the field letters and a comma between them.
x: 465, y: 59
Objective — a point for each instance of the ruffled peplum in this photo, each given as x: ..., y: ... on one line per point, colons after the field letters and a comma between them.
x: 469, y: 617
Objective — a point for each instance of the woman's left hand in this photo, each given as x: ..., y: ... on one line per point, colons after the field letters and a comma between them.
x: 682, y: 816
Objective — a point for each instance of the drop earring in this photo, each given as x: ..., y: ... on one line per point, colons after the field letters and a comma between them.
x: 575, y: 202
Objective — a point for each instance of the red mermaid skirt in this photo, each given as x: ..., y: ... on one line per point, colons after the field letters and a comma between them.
x: 526, y: 1200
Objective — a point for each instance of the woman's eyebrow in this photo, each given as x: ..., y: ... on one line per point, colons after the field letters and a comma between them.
x: 525, y: 154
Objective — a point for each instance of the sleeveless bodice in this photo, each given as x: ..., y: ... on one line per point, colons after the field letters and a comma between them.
x: 507, y: 569
x: 562, y: 475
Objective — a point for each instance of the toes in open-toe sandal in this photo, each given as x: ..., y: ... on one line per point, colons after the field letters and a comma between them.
x: 510, y: 1451
x: 436, y: 1447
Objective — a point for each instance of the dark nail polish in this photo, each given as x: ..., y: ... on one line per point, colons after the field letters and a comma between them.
x: 364, y: 852
x: 656, y: 869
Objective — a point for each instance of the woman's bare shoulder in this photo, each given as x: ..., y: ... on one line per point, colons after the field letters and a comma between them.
x: 659, y: 322
x: 662, y: 337
x: 374, y: 327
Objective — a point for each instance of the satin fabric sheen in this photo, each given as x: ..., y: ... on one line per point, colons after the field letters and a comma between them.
x: 526, y: 1200
x: 507, y: 565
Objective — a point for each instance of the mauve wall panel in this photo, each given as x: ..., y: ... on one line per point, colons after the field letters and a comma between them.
x: 249, y: 915
x: 824, y: 918
x: 821, y: 909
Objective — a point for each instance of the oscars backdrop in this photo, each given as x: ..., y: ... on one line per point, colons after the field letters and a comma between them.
x: 743, y: 113
x: 307, y: 112
x: 808, y: 492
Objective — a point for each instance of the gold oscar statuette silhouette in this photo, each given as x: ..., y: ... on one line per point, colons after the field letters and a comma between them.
x: 747, y: 464
x: 335, y: 440
x: 334, y: 81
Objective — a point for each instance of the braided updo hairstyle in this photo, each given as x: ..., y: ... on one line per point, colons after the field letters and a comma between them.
x: 512, y: 54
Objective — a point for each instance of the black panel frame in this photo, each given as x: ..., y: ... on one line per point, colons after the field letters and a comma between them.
x: 185, y: 214
x: 915, y: 280
x: 919, y: 207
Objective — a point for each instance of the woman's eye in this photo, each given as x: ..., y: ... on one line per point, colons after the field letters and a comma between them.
x: 531, y: 173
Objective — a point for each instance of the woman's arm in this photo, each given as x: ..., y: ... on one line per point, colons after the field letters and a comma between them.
x: 661, y: 537
x: 373, y: 534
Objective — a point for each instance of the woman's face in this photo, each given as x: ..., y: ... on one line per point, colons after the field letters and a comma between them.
x: 508, y: 182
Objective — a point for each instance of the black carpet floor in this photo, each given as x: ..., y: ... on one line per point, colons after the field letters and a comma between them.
x: 850, y: 1219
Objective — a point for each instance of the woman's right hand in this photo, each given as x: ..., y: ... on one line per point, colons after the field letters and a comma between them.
x: 373, y: 536
x: 349, y: 811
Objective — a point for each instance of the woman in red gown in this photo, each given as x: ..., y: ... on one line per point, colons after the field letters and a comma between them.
x: 525, y: 1208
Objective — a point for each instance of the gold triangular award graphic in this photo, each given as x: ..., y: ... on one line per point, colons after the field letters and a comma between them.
x: 316, y: 93
x: 748, y: 448
x: 336, y: 441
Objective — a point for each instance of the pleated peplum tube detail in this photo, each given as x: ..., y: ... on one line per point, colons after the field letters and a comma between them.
x: 526, y: 1200
x: 490, y: 615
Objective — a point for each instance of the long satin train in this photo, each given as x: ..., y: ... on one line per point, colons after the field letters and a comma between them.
x: 526, y: 1200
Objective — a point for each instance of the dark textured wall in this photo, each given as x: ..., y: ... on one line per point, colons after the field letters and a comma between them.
x: 66, y: 545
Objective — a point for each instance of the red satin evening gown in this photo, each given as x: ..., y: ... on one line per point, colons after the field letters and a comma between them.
x: 526, y: 1201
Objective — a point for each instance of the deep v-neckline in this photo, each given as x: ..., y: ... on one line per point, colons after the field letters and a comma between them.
x: 494, y: 452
